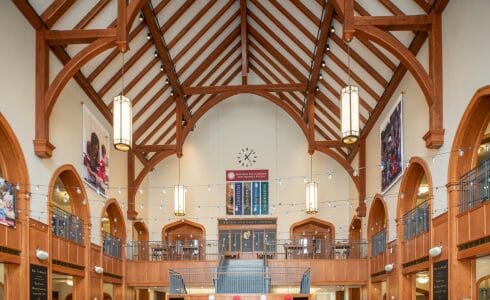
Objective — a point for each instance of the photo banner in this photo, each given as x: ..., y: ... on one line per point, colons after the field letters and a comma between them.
x: 247, y: 192
x: 95, y: 161
x: 8, y: 203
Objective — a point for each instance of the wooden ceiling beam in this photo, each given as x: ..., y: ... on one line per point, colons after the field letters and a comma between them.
x: 164, y: 55
x: 354, y: 76
x: 293, y: 20
x: 244, y: 88
x: 147, y: 88
x: 152, y: 118
x: 320, y: 47
x: 358, y: 59
x: 378, y: 53
x: 270, y: 61
x: 164, y: 121
x: 396, y: 23
x: 320, y: 131
x: 219, y: 64
x: 323, y: 99
x: 392, y: 7
x: 152, y: 148
x: 334, y: 144
x: 150, y: 102
x: 55, y: 10
x: 425, y: 4
x: 166, y: 132
x: 76, y: 36
x: 218, y: 78
x: 278, y: 40
x: 276, y: 79
x: 282, y: 95
x: 283, y: 28
x: 289, y: 66
x: 243, y: 33
x: 307, y: 12
x: 211, y: 57
x: 98, y: 7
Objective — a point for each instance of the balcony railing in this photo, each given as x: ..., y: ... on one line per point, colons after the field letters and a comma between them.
x: 67, y: 226
x: 111, y: 245
x: 416, y: 221
x: 278, y: 249
x: 474, y: 187
x: 292, y: 280
x: 378, y: 243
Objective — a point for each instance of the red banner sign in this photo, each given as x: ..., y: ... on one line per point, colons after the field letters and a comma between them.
x: 247, y: 175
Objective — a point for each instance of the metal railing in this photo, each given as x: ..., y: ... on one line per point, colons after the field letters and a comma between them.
x: 474, y: 187
x: 305, y: 248
x: 111, y: 245
x: 67, y: 226
x: 378, y: 243
x: 416, y: 221
x: 202, y: 280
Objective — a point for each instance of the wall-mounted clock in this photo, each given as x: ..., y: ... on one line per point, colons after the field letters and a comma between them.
x: 247, y: 157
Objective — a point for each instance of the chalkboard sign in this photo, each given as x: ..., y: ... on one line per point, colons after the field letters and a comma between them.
x: 38, y: 283
x: 440, y: 280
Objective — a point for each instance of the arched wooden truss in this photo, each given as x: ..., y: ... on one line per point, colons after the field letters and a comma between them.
x: 288, y: 47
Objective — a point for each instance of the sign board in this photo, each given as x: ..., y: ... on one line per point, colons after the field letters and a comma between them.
x: 439, y: 282
x: 38, y: 282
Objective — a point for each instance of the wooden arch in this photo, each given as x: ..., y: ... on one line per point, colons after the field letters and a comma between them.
x: 469, y: 134
x: 378, y: 216
x: 477, y: 287
x: 315, y: 222
x: 12, y: 161
x: 116, y: 219
x: 142, y: 231
x: 185, y: 228
x: 409, y: 185
x: 73, y: 183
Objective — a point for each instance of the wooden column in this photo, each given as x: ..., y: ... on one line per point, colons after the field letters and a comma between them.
x: 131, y: 212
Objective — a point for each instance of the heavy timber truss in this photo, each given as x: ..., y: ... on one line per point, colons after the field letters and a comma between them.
x: 184, y: 57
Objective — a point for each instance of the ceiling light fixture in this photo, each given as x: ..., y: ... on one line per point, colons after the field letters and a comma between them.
x: 311, y: 192
x: 349, y: 109
x: 122, y: 118
x: 179, y: 198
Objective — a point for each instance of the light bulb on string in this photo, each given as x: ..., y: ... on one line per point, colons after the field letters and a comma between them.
x: 119, y: 191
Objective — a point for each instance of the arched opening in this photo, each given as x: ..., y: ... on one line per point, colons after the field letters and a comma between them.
x: 14, y: 190
x: 414, y: 212
x: 139, y: 244
x: 377, y: 234
x: 468, y: 192
x: 355, y: 234
x: 113, y: 229
x: 70, y: 218
x: 483, y: 288
x: 313, y: 238
x: 183, y: 240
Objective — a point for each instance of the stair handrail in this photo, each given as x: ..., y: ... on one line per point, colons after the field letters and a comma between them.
x: 173, y: 288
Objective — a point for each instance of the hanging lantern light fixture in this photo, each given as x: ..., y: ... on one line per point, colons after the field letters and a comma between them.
x: 179, y: 198
x: 311, y: 192
x: 122, y: 118
x: 349, y: 103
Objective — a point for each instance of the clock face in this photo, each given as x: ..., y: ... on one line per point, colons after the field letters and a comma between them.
x: 246, y: 157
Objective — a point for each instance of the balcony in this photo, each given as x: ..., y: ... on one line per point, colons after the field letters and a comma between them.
x: 378, y: 252
x: 473, y: 225
x: 416, y: 233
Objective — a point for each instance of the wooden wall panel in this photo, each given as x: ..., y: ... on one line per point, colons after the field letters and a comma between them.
x: 477, y: 225
x: 440, y: 235
x: 242, y: 296
x: 473, y: 224
x: 38, y: 238
x: 416, y: 248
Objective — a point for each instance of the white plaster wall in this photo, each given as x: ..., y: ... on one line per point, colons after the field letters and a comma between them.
x: 17, y: 82
x: 466, y: 64
x: 248, y: 121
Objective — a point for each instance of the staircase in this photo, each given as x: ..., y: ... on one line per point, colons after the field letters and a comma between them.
x: 242, y: 276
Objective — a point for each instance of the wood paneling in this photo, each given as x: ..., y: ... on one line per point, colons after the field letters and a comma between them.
x: 242, y: 296
x: 473, y: 224
x: 378, y: 263
x: 67, y: 251
x: 38, y: 239
x: 440, y: 235
x: 416, y: 248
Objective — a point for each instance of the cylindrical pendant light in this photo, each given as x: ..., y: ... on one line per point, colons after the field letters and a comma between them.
x: 122, y: 118
x: 179, y: 198
x: 349, y: 103
x: 311, y: 192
